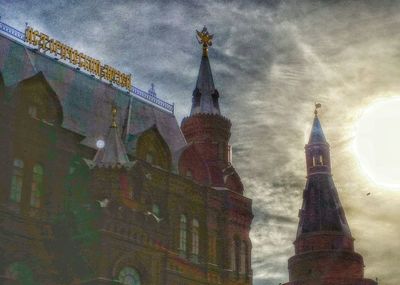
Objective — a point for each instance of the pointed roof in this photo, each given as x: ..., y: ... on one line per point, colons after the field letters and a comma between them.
x: 317, y: 135
x: 205, y: 96
x: 321, y: 210
x: 113, y: 152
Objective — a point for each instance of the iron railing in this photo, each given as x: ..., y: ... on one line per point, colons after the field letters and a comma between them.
x: 149, y: 97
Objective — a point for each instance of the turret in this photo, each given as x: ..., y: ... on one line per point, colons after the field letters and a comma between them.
x: 324, y: 246
x: 206, y: 128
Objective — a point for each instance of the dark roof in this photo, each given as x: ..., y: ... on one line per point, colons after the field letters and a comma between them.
x: 86, y: 101
x: 205, y: 96
x: 317, y: 135
x: 321, y: 209
x: 113, y: 154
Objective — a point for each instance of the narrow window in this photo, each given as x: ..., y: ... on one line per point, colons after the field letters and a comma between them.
x: 243, y: 257
x: 149, y: 157
x: 233, y: 256
x: 32, y: 111
x: 182, y: 233
x: 156, y: 210
x: 237, y: 255
x: 213, y: 248
x: 37, y: 185
x: 195, y: 237
x: 221, y: 150
x: 317, y: 160
x: 17, y: 180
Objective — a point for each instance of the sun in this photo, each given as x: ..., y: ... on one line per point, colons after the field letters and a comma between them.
x: 377, y: 142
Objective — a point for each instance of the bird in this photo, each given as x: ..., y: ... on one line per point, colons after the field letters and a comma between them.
x: 103, y: 203
x: 369, y: 193
x: 158, y: 219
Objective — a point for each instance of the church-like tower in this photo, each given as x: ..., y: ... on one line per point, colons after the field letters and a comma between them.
x: 324, y: 246
x: 206, y: 129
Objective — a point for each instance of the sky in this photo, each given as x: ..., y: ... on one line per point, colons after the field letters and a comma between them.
x: 271, y: 61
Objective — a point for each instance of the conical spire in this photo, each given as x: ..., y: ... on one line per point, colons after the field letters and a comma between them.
x: 317, y: 135
x: 113, y: 154
x: 205, y: 96
x: 321, y: 210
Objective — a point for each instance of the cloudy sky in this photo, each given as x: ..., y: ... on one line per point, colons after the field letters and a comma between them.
x: 271, y: 61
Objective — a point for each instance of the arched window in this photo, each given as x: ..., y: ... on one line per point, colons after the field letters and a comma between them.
x: 182, y: 233
x: 195, y: 237
x: 17, y: 180
x: 233, y: 255
x: 37, y: 185
x: 129, y: 276
x: 243, y: 253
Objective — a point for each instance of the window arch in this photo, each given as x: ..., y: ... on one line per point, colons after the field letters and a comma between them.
x: 195, y: 237
x: 129, y: 276
x: 182, y: 233
x: 37, y: 185
x: 17, y: 180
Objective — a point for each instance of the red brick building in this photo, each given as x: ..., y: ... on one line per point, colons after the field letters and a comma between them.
x: 94, y: 196
x: 324, y: 246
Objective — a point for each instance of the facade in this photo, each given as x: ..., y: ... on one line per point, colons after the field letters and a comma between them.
x: 99, y: 186
x: 324, y: 246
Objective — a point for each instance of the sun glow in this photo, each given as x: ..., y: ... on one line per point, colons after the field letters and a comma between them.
x: 377, y: 142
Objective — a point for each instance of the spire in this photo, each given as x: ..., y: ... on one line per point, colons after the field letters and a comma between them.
x: 112, y: 153
x: 321, y: 210
x: 317, y: 135
x: 205, y: 96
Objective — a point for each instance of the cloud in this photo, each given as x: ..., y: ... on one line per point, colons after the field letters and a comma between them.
x: 271, y: 61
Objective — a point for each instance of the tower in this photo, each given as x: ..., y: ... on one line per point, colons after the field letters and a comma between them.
x: 206, y: 129
x: 207, y: 133
x: 324, y: 246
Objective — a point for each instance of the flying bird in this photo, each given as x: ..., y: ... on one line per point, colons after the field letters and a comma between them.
x: 369, y: 193
x: 158, y: 219
x: 103, y: 203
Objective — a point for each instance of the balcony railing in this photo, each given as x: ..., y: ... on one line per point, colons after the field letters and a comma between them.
x: 149, y: 97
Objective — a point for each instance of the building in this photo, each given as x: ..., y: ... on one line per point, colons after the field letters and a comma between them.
x: 102, y: 186
x: 324, y: 246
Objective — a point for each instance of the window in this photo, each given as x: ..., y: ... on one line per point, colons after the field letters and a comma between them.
x: 149, y: 157
x: 32, y: 111
x: 195, y: 237
x: 317, y: 160
x: 213, y: 248
x: 37, y: 185
x: 156, y: 210
x: 233, y: 256
x: 243, y: 251
x: 221, y: 150
x: 17, y: 180
x: 129, y: 276
x: 189, y: 173
x: 182, y: 233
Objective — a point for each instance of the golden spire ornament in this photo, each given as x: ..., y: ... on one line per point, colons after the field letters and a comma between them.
x: 205, y: 39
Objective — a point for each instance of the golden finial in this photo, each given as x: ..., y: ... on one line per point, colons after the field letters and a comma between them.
x: 317, y: 106
x: 204, y: 38
x: 114, y: 114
